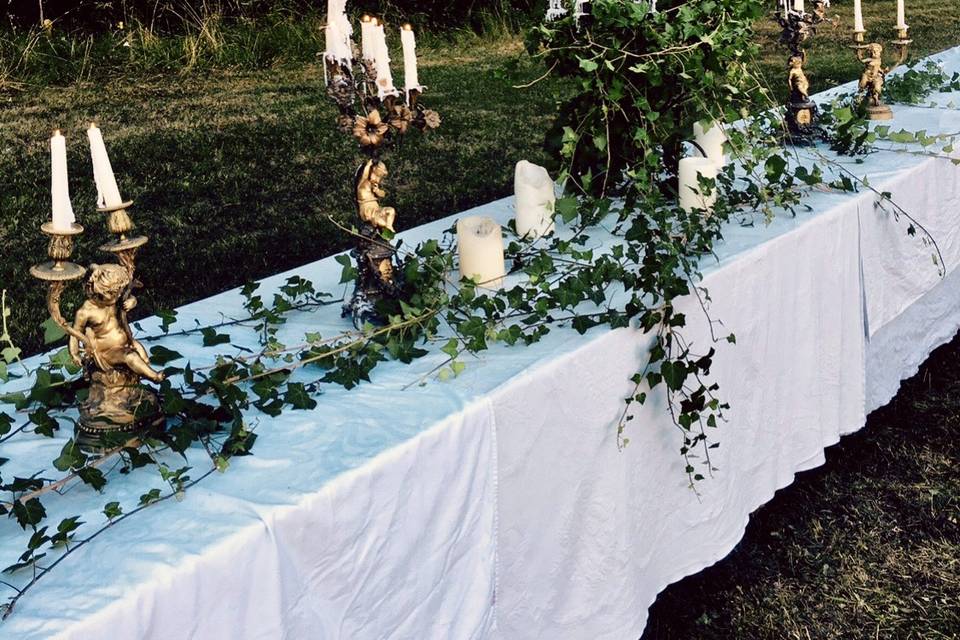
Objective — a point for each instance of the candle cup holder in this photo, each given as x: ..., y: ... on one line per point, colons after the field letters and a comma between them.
x: 117, y: 407
x: 378, y: 120
x: 797, y: 27
x: 875, y: 74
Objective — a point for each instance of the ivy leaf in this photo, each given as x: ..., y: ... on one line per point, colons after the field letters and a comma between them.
x: 52, y: 332
x: 93, y: 478
x: 298, y: 397
x: 70, y: 457
x: 112, y: 510
x: 150, y: 497
x: 29, y: 513
x: 10, y: 354
x: 161, y: 356
x: 167, y: 319
x: 6, y: 424
x: 349, y: 273
x: 567, y: 208
x: 674, y: 374
x: 44, y: 424
x: 452, y: 348
x: 588, y: 65
x: 212, y: 339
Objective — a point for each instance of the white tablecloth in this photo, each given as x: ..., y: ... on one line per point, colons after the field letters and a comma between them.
x: 497, y: 505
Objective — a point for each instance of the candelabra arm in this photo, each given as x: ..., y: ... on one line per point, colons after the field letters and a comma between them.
x: 54, y: 295
x: 903, y: 50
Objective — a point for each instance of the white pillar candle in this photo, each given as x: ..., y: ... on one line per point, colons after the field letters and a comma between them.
x: 481, y: 251
x: 799, y: 6
x: 366, y: 38
x: 385, y: 84
x: 858, y: 16
x: 536, y: 200
x: 711, y: 139
x: 108, y: 194
x: 901, y: 15
x: 410, y: 76
x: 691, y: 196
x: 63, y: 217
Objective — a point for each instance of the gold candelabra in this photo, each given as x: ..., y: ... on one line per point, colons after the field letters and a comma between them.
x: 874, y: 73
x: 117, y: 406
x: 375, y: 113
x: 797, y: 27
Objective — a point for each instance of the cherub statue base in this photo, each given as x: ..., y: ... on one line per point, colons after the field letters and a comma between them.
x: 117, y: 408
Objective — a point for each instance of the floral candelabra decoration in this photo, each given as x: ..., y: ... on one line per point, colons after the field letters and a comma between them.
x: 117, y: 406
x: 798, y: 26
x: 378, y: 116
x: 871, y: 55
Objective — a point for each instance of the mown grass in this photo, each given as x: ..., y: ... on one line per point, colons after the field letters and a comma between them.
x: 865, y: 547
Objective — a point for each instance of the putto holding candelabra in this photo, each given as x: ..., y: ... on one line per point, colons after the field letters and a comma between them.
x: 378, y: 115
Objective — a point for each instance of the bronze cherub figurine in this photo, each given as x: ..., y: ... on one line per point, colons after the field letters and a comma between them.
x: 374, y: 255
x: 874, y: 75
x: 114, y: 362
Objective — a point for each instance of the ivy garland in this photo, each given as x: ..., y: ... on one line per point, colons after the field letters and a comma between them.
x: 642, y: 80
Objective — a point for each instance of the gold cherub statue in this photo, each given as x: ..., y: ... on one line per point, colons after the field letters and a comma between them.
x: 871, y: 82
x: 799, y: 84
x: 109, y: 345
x: 114, y: 362
x: 369, y: 192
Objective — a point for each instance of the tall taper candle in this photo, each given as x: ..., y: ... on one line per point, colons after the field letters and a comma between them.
x: 338, y: 37
x: 410, y: 76
x: 63, y: 217
x: 901, y: 15
x: 108, y: 193
x: 366, y: 38
x: 385, y: 84
x: 857, y: 16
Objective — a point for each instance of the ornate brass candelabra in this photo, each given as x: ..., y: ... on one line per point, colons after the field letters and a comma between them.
x: 798, y: 27
x: 875, y: 74
x: 378, y: 118
x: 101, y: 341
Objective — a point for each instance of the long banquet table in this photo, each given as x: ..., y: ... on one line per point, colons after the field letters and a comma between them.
x: 497, y: 505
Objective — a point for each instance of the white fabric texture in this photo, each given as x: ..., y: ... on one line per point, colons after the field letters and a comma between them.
x: 497, y: 505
